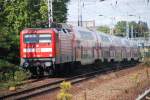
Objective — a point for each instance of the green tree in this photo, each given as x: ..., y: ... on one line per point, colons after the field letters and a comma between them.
x: 14, y: 19
x: 120, y: 28
x: 60, y: 10
x: 104, y: 29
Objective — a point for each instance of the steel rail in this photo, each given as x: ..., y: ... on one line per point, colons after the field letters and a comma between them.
x: 144, y: 96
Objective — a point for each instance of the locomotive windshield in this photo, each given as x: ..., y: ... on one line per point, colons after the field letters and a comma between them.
x: 37, y: 38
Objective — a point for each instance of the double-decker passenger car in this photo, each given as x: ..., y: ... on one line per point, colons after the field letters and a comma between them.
x: 53, y: 49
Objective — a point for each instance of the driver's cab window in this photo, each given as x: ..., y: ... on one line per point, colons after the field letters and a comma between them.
x: 65, y: 31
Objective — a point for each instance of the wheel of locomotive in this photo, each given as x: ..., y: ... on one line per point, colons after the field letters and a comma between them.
x: 33, y: 71
x: 40, y: 71
x: 48, y: 70
x: 51, y: 70
x: 36, y: 71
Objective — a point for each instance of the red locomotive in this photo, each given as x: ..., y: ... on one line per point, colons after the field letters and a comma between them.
x: 46, y: 50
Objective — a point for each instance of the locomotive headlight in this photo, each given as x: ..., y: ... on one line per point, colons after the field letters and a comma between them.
x: 26, y: 64
x: 48, y: 64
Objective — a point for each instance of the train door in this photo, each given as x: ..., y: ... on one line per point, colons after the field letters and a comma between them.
x: 78, y: 50
x: 99, y: 51
x: 112, y: 53
x: 97, y: 47
x: 58, y: 51
x: 106, y: 47
x: 123, y: 53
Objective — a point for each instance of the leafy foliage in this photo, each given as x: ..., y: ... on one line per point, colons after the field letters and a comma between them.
x: 20, y: 75
x: 120, y: 28
x: 60, y: 10
x: 104, y: 29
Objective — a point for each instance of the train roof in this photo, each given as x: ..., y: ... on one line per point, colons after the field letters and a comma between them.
x: 34, y: 30
x: 116, y: 40
x: 84, y: 34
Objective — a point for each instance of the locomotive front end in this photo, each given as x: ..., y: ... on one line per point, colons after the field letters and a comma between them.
x: 37, y: 49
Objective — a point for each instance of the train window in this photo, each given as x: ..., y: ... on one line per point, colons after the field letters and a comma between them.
x: 127, y: 43
x: 86, y: 35
x: 30, y: 38
x: 37, y: 38
x: 44, y: 38
x: 64, y: 30
x: 117, y: 41
x: 105, y: 38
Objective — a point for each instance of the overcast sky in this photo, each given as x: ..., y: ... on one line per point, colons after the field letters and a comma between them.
x: 112, y: 11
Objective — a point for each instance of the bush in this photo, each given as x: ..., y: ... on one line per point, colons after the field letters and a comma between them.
x: 64, y: 92
x: 65, y: 86
x: 20, y: 75
x: 4, y: 63
x: 11, y: 75
x: 8, y: 76
x: 7, y: 70
x: 5, y: 66
x: 12, y: 79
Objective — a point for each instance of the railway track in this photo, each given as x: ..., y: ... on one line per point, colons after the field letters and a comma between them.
x: 49, y: 87
x: 145, y: 95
